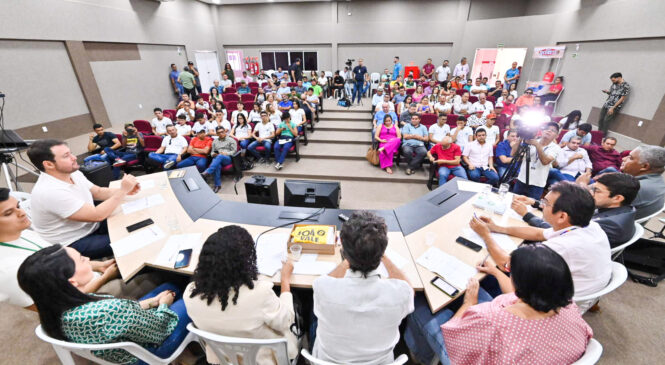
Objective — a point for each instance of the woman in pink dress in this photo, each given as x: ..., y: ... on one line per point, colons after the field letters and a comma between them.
x: 534, y: 322
x: 418, y: 94
x: 389, y: 138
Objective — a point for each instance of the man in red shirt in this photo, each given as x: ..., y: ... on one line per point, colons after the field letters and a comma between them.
x: 199, y: 148
x: 447, y: 156
x: 604, y: 157
x: 509, y: 108
x: 428, y: 69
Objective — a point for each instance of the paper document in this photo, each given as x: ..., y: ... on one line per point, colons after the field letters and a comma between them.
x: 503, y: 240
x: 313, y: 268
x: 270, y: 252
x: 176, y: 243
x: 137, y: 240
x: 308, y: 257
x: 396, y: 258
x: 147, y: 184
x: 142, y: 203
x: 466, y: 185
x: 449, y: 267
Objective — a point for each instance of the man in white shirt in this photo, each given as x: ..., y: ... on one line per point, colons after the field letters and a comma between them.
x: 479, y: 158
x: 464, y: 107
x: 170, y: 153
x: 182, y: 127
x: 461, y: 69
x: 483, y: 104
x: 439, y: 130
x: 203, y: 125
x: 543, y: 152
x: 240, y: 110
x: 283, y: 90
x: 159, y: 122
x: 568, y: 208
x: 491, y: 130
x: 353, y: 301
x: 462, y: 134
x: 478, y: 87
x: 225, y: 81
x: 263, y: 134
x: 443, y: 72
x: 571, y: 162
x: 377, y: 98
x: 385, y: 100
x: 187, y: 112
x: 442, y: 106
x: 62, y: 203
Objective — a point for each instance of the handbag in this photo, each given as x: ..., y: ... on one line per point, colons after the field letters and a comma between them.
x: 373, y: 156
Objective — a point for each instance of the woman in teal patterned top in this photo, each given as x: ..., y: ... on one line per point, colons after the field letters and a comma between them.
x: 51, y: 277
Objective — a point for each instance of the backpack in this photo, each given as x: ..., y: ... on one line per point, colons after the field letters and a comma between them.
x: 344, y: 102
x: 645, y: 261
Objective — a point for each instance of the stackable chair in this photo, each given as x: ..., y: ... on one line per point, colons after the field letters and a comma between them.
x: 639, y: 232
x: 401, y: 359
x: 592, y: 354
x: 619, y: 275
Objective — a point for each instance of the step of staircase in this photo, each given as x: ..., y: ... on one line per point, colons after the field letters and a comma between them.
x: 343, y: 126
x: 351, y: 116
x: 338, y: 169
x: 347, y: 137
x: 341, y: 151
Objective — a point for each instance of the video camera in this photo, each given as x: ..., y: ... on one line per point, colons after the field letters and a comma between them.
x: 349, y: 61
x: 529, y: 124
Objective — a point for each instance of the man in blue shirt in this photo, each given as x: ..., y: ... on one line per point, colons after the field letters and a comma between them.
x: 220, y: 88
x: 243, y: 89
x: 397, y: 70
x: 279, y: 74
x: 503, y: 152
x: 285, y: 105
x: 177, y: 86
x: 583, y: 131
x: 511, y: 76
x: 399, y: 97
x: 359, y: 76
x: 415, y: 137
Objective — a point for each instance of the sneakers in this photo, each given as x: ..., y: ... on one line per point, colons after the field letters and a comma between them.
x: 262, y: 161
x: 119, y: 162
x: 206, y: 176
x: 169, y: 164
x: 278, y: 166
x: 216, y: 189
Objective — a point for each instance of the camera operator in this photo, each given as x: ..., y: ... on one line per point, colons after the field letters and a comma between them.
x: 543, y: 152
x: 360, y: 76
x: 348, y: 79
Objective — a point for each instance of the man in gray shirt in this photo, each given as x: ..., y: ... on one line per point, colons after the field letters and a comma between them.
x: 222, y: 149
x: 405, y: 117
x: 647, y: 164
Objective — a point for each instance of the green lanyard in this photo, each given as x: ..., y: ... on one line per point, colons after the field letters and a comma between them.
x: 20, y: 247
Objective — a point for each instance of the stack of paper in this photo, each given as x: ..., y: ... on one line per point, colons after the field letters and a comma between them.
x: 176, y: 243
x: 504, y: 241
x: 136, y: 240
x: 270, y: 252
x: 474, y: 187
x: 313, y: 267
x: 449, y: 267
x: 396, y: 258
x: 147, y: 184
x: 142, y: 203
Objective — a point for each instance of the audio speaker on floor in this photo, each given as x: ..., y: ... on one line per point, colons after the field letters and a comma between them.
x: 313, y: 194
x: 262, y: 190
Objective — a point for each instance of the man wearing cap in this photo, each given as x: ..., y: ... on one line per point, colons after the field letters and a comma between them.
x: 222, y: 149
x: 492, y: 130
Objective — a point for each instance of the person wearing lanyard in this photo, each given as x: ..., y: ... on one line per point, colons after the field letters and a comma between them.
x: 543, y: 152
x: 17, y: 242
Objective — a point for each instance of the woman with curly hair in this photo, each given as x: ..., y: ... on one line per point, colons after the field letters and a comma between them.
x: 225, y: 296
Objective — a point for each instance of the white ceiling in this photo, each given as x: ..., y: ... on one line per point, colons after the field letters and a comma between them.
x: 235, y: 2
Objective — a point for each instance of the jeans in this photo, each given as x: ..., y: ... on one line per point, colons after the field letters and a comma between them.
x: 445, y: 171
x: 113, y: 155
x: 413, y: 161
x: 348, y: 89
x: 162, y: 158
x: 215, y: 168
x: 244, y: 143
x: 357, y: 90
x: 606, y: 170
x: 555, y: 175
x: 423, y: 329
x: 199, y: 161
x: 604, y: 120
x: 96, y: 245
x: 492, y: 177
x: 531, y: 191
x: 171, y: 343
x: 191, y: 92
x: 281, y: 150
x: 501, y: 170
x: 266, y: 143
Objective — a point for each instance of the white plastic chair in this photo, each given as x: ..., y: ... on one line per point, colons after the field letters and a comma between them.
x: 65, y: 349
x: 24, y: 201
x: 401, y: 359
x: 639, y: 232
x: 647, y: 218
x: 555, y: 101
x: 592, y: 354
x: 237, y: 350
x: 375, y: 79
x: 619, y: 275
x: 328, y: 74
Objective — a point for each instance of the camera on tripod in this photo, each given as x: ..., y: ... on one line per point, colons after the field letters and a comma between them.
x: 349, y: 61
x: 529, y: 125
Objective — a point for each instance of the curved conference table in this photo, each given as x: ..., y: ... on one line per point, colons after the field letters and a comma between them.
x: 203, y: 212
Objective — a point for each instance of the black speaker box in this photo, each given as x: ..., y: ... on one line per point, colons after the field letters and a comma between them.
x: 262, y: 190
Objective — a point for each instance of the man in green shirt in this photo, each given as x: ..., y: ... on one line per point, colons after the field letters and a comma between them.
x: 318, y: 91
x: 188, y: 81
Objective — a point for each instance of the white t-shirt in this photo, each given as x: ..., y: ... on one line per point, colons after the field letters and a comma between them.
x: 587, y: 253
x: 297, y: 116
x: 461, y: 70
x: 254, y: 117
x: 184, y: 129
x: 276, y: 118
x: 189, y: 116
x: 10, y: 260
x: 174, y: 145
x: 265, y: 130
x: 438, y: 132
x: 208, y: 127
x: 462, y: 136
x: 460, y: 107
x: 539, y: 172
x: 379, y: 106
x: 226, y: 83
x: 492, y: 133
x: 234, y: 115
x: 442, y: 73
x: 224, y: 123
x: 54, y: 201
x: 160, y: 125
x: 323, y: 81
x: 443, y: 107
x: 478, y: 154
x: 242, y: 132
x: 487, y: 107
x: 577, y: 166
x: 204, y: 106
x: 480, y: 88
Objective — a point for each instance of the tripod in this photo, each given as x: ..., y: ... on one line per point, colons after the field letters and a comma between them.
x: 7, y: 159
x: 523, y: 153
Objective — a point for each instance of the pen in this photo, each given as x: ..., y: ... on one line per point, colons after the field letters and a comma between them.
x: 485, y: 259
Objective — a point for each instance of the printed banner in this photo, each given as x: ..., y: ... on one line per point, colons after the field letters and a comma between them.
x: 549, y: 52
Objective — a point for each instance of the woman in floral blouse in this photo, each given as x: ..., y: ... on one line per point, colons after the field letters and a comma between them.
x: 51, y: 276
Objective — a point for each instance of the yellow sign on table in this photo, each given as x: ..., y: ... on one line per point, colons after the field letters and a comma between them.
x: 311, y: 234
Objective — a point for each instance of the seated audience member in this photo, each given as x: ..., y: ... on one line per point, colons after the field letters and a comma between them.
x: 571, y: 162
x: 504, y: 152
x: 316, y: 88
x: 226, y: 296
x: 218, y: 107
x: 310, y: 104
x: 405, y: 117
x: 338, y: 82
x: 604, y: 157
x: 583, y: 131
x: 491, y: 130
x: 62, y: 203
x: 306, y: 83
x: 285, y: 105
x: 287, y: 132
x: 457, y: 83
x: 202, y: 105
x: 54, y: 277
x: 101, y: 141
x: 242, y: 132
x: 389, y: 137
x: 497, y: 90
x: 172, y: 148
x: 537, y: 106
x: 260, y: 97
x: 483, y: 104
x: 298, y: 115
x: 543, y: 152
x: 185, y: 100
x: 442, y: 106
x: 381, y: 114
x: 647, y: 163
x: 255, y: 114
x: 132, y: 146
x: 431, y: 86
x: 223, y: 148
x: 243, y: 89
x: 404, y: 105
x: 246, y: 78
x: 475, y: 119
x: 439, y: 130
x: 613, y: 194
x: 415, y: 137
x: 532, y: 322
x: 479, y: 158
x: 503, y: 97
x: 226, y: 82
x: 409, y: 82
x: 386, y: 99
x: 554, y: 90
x: 462, y: 134
x: 354, y: 298
x: 571, y: 121
x: 463, y: 107
x: 263, y: 134
x: 419, y: 94
x: 240, y: 110
x: 216, y: 86
x: 468, y: 85
x: 275, y: 116
x: 283, y: 90
x: 424, y: 107
x: 526, y: 99
x: 220, y: 121
x: 509, y: 108
x: 323, y: 82
x: 568, y: 209
x: 159, y: 122
x: 182, y: 127
x: 377, y: 98
x: 447, y: 157
x: 187, y: 111
x: 300, y: 88
x: 400, y: 96
x: 199, y: 149
x: 478, y: 88
x: 202, y: 125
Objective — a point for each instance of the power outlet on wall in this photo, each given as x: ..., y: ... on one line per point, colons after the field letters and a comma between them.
x: 45, y: 129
